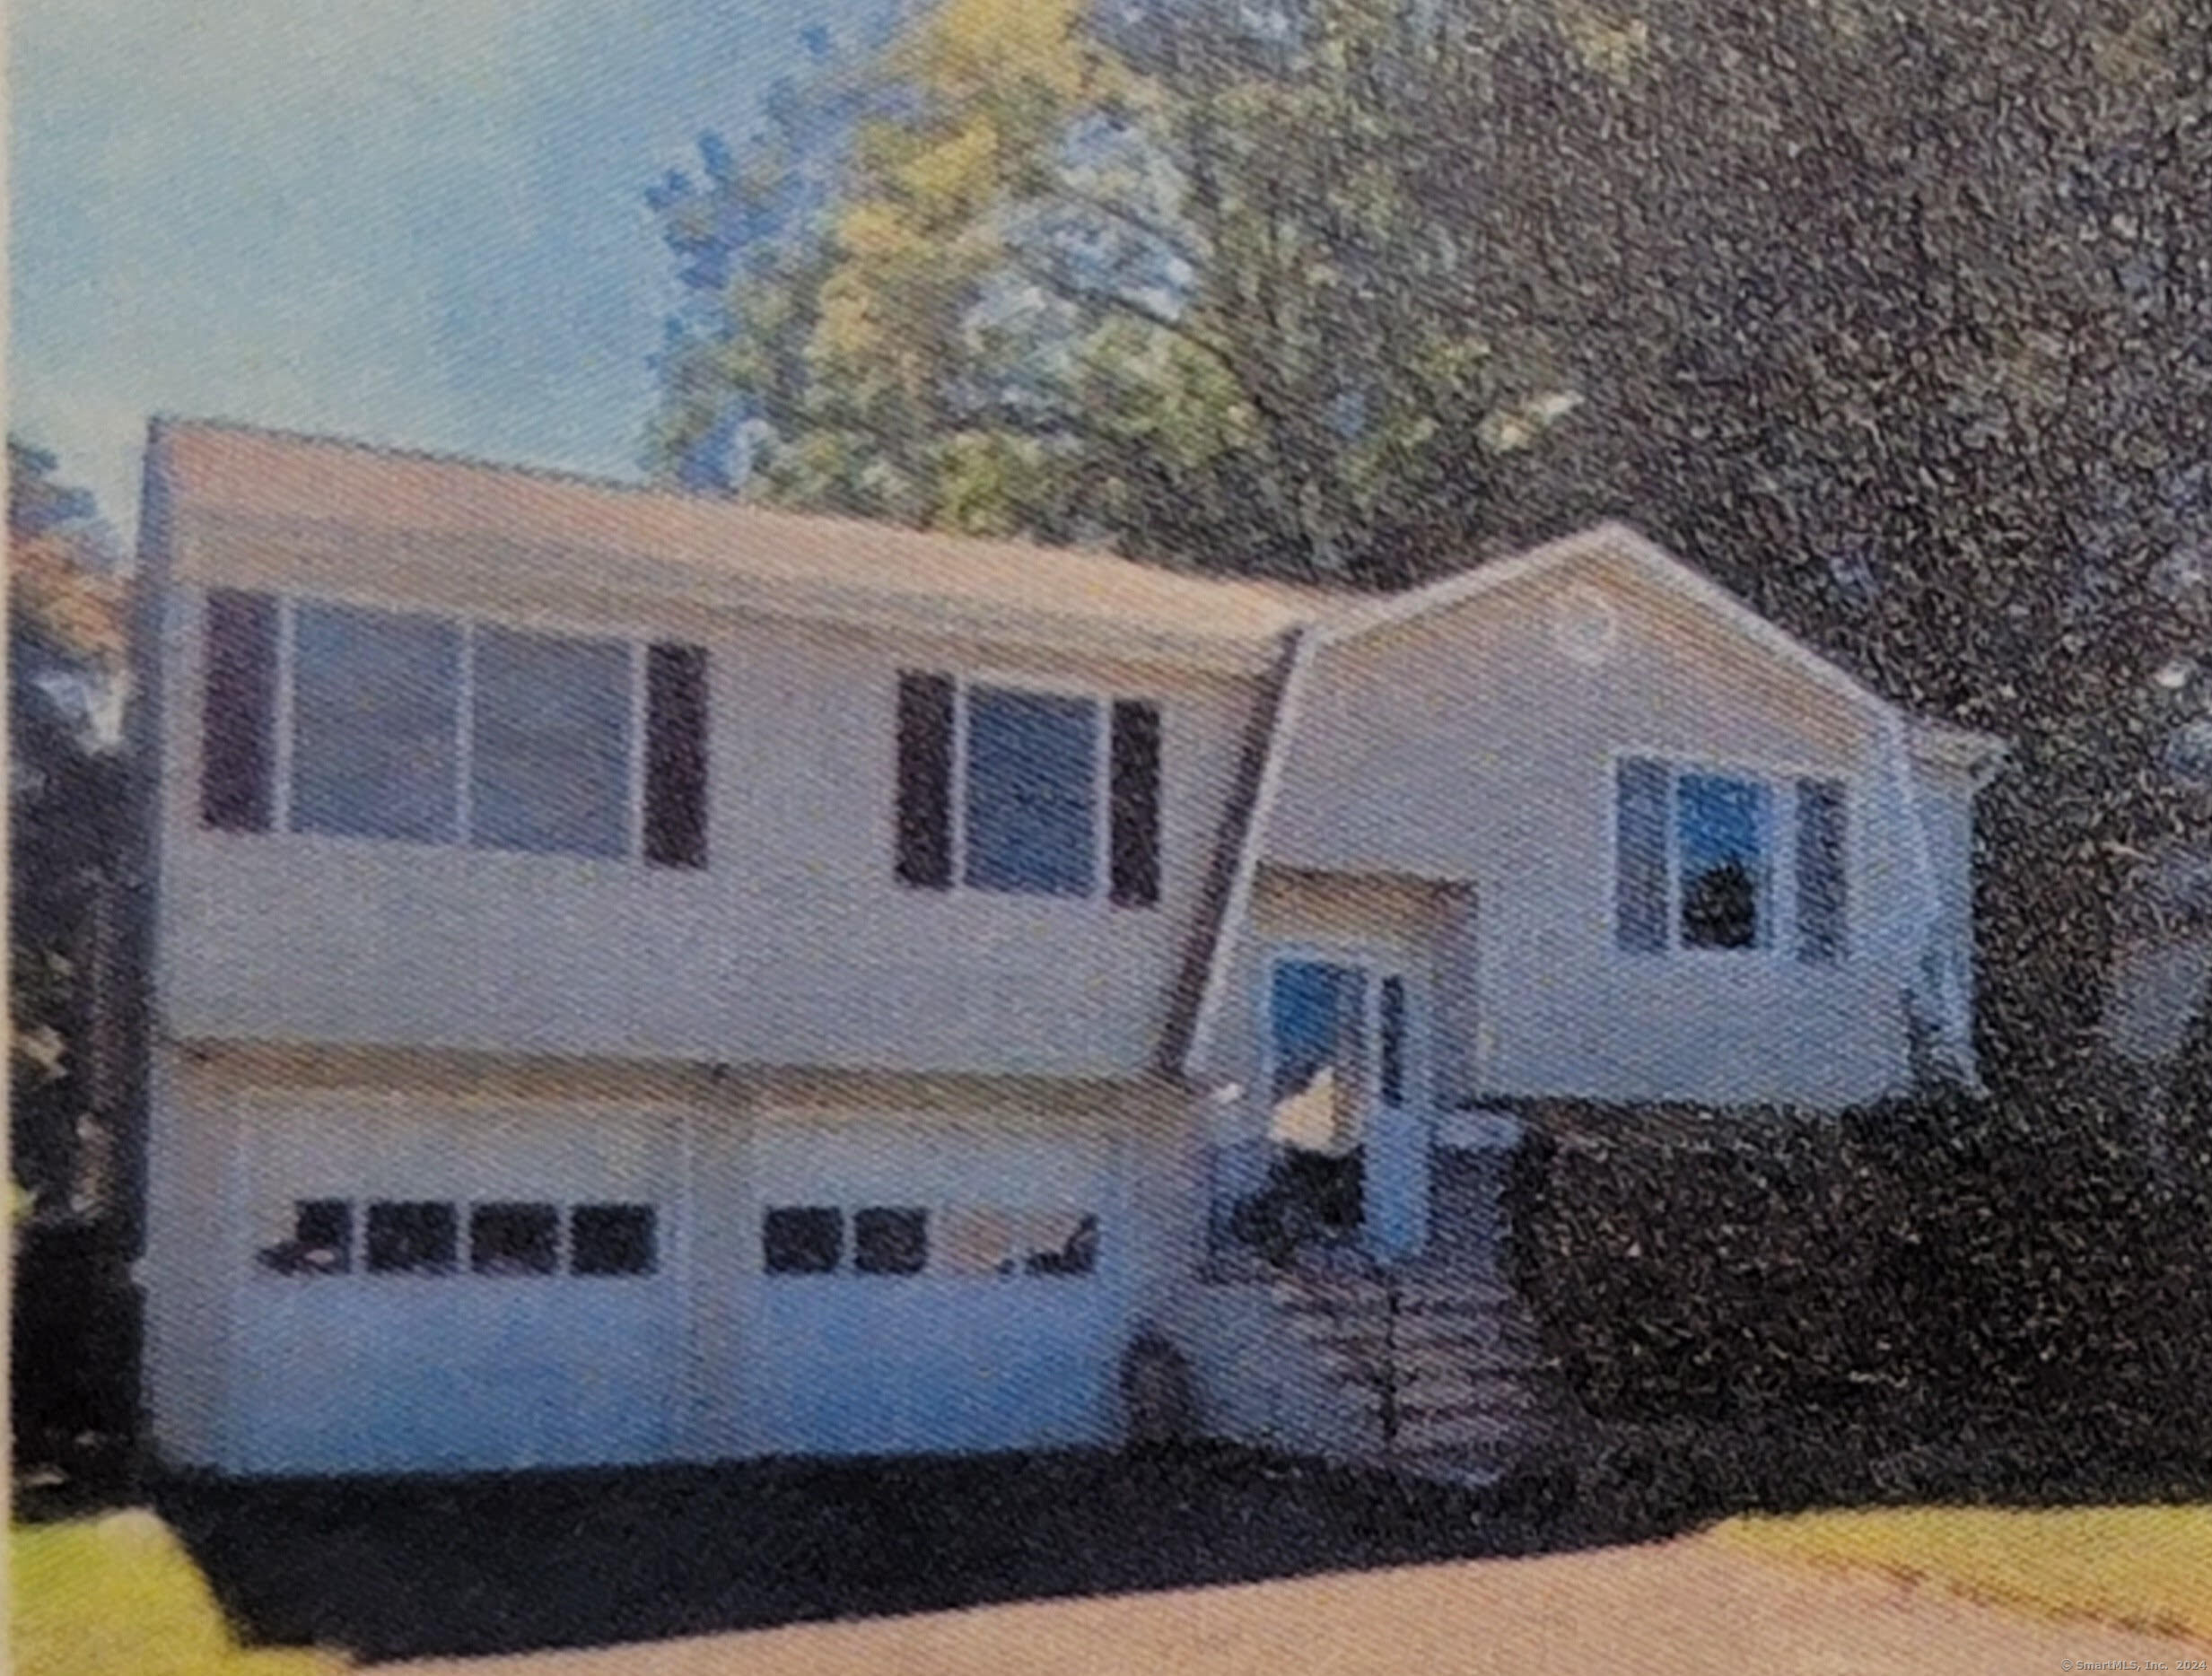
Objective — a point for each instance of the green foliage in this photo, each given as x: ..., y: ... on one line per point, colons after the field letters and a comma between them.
x: 66, y: 798
x: 1897, y: 320
x: 1926, y: 1273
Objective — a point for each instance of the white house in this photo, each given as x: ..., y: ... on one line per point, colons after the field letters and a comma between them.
x: 638, y: 977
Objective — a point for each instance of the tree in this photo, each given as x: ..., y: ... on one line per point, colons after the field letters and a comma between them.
x: 67, y: 797
x: 1897, y: 320
x: 1154, y: 280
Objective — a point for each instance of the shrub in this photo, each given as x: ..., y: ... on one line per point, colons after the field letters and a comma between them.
x: 1939, y: 1271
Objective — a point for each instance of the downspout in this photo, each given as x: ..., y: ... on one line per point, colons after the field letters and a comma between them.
x: 1221, y: 938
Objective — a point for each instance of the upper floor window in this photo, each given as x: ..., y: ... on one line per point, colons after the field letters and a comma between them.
x: 1697, y: 851
x: 1006, y: 789
x: 372, y: 723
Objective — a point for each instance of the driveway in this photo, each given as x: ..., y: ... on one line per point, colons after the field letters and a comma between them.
x: 396, y: 1569
x: 1683, y: 1607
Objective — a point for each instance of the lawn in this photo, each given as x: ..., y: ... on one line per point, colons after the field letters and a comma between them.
x: 2145, y: 1567
x: 119, y: 1596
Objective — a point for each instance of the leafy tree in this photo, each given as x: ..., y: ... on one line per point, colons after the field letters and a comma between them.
x: 1896, y: 319
x: 1156, y: 280
x: 65, y: 792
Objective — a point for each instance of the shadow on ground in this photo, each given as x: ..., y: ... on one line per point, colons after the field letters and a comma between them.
x: 403, y: 1568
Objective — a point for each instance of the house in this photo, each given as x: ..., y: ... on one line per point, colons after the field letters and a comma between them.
x: 639, y: 978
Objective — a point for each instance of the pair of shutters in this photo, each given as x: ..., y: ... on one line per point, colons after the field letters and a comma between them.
x: 1644, y: 794
x: 238, y: 769
x: 926, y: 719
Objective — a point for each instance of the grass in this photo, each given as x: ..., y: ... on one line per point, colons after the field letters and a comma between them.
x: 2147, y: 1568
x: 119, y: 1596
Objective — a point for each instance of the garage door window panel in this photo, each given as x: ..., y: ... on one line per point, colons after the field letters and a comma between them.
x: 514, y: 1239
x: 613, y: 1240
x: 891, y: 1240
x: 318, y: 1239
x: 1061, y: 1243
x: 412, y: 1236
x: 802, y: 1239
x: 979, y: 1241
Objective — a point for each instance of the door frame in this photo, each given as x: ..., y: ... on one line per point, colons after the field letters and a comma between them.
x: 1394, y: 1204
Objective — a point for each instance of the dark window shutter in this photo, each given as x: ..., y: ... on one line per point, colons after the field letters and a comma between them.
x: 1135, y: 838
x: 238, y: 732
x: 925, y: 780
x: 1822, y: 873
x: 676, y: 726
x: 1392, y: 1004
x: 1641, y: 788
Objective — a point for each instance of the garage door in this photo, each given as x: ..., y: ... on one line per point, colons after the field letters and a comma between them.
x: 930, y: 1288
x: 453, y: 1288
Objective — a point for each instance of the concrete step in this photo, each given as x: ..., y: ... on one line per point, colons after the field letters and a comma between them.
x: 1442, y: 1404
x: 1468, y: 1467
x: 1333, y: 1295
x: 1437, y: 1364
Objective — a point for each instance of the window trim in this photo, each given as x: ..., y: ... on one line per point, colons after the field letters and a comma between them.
x: 284, y: 750
x: 1781, y: 780
x: 1100, y: 888
x: 1102, y: 702
x: 1376, y: 960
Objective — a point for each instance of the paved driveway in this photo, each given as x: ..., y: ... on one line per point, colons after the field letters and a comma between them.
x: 1683, y: 1608
x: 409, y: 1569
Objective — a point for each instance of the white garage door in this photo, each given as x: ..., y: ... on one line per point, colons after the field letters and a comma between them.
x: 931, y: 1288
x: 442, y: 1288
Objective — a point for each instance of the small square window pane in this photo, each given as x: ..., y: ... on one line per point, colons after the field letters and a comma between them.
x: 514, y: 1239
x: 979, y: 1240
x: 613, y: 1240
x: 888, y: 1240
x: 1720, y: 835
x: 802, y: 1239
x: 321, y: 1240
x: 1061, y: 1242
x: 375, y: 724
x: 412, y: 1237
x: 550, y: 752
x: 1032, y: 792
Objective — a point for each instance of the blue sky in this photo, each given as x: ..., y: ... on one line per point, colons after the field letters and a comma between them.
x: 418, y: 222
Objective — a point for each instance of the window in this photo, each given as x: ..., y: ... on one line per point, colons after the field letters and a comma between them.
x: 514, y: 1239
x: 1061, y: 1243
x: 613, y: 1240
x: 1036, y: 773
x: 411, y: 1238
x: 376, y: 705
x: 406, y: 725
x: 802, y: 1239
x: 1721, y: 862
x: 321, y: 1240
x: 979, y: 1240
x: 1032, y: 789
x: 890, y: 1241
x: 550, y: 753
x: 1694, y: 860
